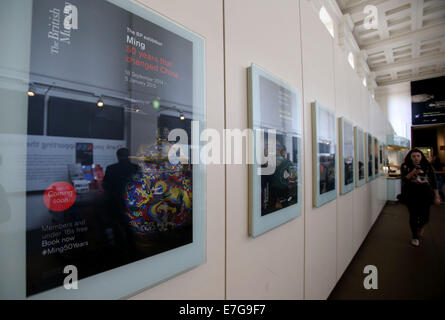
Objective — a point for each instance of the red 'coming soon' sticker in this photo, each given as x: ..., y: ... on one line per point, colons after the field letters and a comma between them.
x: 59, y: 196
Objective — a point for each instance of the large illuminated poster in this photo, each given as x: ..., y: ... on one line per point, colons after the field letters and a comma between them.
x: 428, y: 101
x: 110, y: 85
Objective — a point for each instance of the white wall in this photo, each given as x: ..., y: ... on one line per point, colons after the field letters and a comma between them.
x: 270, y: 266
x: 320, y: 223
x: 395, y: 100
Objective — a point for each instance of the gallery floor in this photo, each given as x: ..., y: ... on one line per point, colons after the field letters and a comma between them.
x: 404, y: 271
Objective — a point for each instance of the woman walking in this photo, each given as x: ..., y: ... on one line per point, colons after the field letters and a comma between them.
x: 420, y: 191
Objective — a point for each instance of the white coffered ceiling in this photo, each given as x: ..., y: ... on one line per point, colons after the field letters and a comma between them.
x: 409, y: 43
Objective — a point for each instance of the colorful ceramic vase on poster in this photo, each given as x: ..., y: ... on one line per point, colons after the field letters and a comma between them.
x: 275, y: 175
x: 159, y: 197
x: 324, y: 155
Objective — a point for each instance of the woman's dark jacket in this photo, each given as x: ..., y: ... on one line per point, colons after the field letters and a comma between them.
x: 419, y: 187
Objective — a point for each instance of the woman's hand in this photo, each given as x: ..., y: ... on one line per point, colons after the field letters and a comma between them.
x: 413, y: 173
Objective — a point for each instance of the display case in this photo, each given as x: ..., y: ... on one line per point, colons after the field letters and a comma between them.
x: 396, y: 150
x: 395, y: 140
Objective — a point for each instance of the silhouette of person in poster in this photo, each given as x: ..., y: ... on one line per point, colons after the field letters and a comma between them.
x: 115, y: 180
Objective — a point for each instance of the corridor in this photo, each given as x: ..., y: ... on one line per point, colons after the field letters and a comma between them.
x: 404, y: 272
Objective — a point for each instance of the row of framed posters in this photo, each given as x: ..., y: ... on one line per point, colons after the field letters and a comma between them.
x: 275, y: 116
x: 361, y: 155
x: 107, y: 213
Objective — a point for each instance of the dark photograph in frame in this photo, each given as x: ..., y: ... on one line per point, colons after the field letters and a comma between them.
x: 346, y: 135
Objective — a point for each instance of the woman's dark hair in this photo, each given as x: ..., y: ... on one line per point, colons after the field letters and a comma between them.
x: 423, y: 162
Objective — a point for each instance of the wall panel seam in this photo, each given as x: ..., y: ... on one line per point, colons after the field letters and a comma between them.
x: 303, y: 148
x: 225, y: 166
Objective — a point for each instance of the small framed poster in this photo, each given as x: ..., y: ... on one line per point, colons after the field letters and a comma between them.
x: 376, y: 158
x: 359, y: 144
x: 347, y: 163
x: 104, y: 201
x: 381, y: 156
x: 275, y: 117
x: 324, y: 155
x: 370, y: 157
